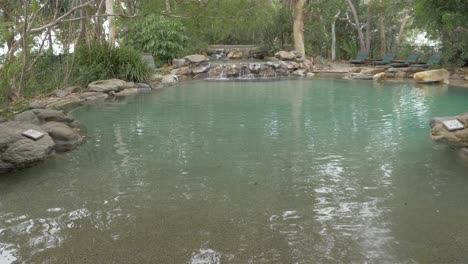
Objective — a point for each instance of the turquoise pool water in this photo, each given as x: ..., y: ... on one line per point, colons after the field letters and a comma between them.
x: 293, y: 171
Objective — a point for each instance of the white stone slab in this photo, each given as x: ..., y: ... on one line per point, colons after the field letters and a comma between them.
x: 33, y: 134
x: 453, y: 125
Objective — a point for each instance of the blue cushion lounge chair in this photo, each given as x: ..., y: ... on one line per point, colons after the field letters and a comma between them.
x: 412, y: 59
x: 433, y: 60
x: 387, y: 59
x: 361, y: 58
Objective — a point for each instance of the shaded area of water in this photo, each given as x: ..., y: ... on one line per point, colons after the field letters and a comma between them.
x: 323, y: 171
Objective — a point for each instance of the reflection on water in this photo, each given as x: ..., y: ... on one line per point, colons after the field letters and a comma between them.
x: 322, y: 171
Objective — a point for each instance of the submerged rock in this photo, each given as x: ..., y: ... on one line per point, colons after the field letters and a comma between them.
x: 65, y: 137
x: 18, y: 151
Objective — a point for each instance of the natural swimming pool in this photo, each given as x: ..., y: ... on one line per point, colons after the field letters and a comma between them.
x: 293, y: 171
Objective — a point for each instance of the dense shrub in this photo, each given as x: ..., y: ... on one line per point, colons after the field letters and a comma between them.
x: 99, y: 61
x: 161, y: 36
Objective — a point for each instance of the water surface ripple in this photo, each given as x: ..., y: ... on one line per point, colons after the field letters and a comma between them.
x: 294, y: 171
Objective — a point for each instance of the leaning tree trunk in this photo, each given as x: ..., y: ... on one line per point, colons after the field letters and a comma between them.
x: 357, y: 25
x: 402, y: 29
x: 298, y: 26
x: 110, y: 19
x: 168, y: 6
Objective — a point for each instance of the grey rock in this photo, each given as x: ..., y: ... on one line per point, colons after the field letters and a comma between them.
x: 180, y: 62
x: 274, y: 64
x: 201, y: 67
x: 65, y: 104
x: 282, y: 72
x: 65, y: 137
x: 285, y: 55
x: 127, y: 92
x: 112, y: 85
x: 18, y: 151
x: 169, y: 79
x: 255, y: 68
x: 310, y: 74
x: 61, y: 93
x: 182, y: 71
x: 48, y: 115
x: 37, y: 105
x: 27, y: 117
x: 93, y: 96
x: 298, y: 73
x: 267, y: 72
x: 3, y: 119
x: 196, y: 58
x: 359, y: 76
x: 156, y: 77
x: 143, y: 86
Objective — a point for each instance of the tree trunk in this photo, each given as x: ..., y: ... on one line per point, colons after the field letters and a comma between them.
x: 383, y: 48
x: 333, y: 32
x: 368, y: 30
x: 402, y: 29
x: 298, y: 26
x: 168, y: 6
x: 357, y: 25
x: 110, y: 19
x: 83, y: 29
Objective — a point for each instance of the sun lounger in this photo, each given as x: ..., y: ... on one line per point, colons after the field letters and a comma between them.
x: 361, y: 58
x: 433, y: 60
x: 412, y: 59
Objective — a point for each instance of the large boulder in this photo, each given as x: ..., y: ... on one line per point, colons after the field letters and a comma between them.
x: 196, y: 58
x: 201, y: 67
x: 379, y: 76
x: 285, y: 55
x: 65, y: 137
x: 106, y: 86
x: 18, y: 151
x: 432, y: 76
x: 457, y: 138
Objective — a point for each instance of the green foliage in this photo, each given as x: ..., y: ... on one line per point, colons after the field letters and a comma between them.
x: 161, y: 36
x: 99, y: 61
x: 350, y: 49
x: 449, y: 24
x: 278, y: 33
